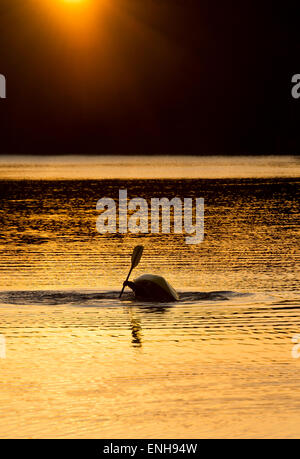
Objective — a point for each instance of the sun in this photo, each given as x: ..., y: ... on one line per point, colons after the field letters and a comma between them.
x: 75, y: 2
x: 77, y: 22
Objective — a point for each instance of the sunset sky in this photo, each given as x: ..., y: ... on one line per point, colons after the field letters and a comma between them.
x: 151, y: 77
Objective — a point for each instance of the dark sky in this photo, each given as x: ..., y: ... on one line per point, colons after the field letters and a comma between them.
x: 155, y: 77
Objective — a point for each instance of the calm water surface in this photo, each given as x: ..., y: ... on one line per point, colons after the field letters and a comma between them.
x: 81, y: 363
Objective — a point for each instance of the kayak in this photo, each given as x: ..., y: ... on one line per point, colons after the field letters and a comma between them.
x: 154, y: 288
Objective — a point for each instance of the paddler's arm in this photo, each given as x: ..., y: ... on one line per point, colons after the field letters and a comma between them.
x: 130, y: 285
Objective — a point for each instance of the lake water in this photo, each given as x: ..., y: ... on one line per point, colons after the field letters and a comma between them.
x: 80, y: 363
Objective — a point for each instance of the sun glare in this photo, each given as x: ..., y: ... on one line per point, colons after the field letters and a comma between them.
x: 78, y: 3
x: 74, y: 1
x: 75, y: 18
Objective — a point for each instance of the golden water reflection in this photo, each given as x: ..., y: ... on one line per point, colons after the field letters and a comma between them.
x: 80, y: 363
x: 200, y: 370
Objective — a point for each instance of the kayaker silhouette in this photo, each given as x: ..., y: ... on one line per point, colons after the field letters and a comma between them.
x: 149, y: 287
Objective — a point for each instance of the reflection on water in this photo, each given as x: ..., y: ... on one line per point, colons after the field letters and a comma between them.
x: 213, y: 369
x: 136, y: 330
x: 147, y: 167
x: 81, y: 363
x: 49, y: 238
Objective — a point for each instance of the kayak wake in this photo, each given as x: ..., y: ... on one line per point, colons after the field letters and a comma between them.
x: 106, y: 298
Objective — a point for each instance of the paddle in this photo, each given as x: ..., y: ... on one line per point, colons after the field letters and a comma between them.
x: 135, y: 259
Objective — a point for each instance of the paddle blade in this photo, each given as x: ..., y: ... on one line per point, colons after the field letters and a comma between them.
x: 136, y: 255
x: 135, y: 259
